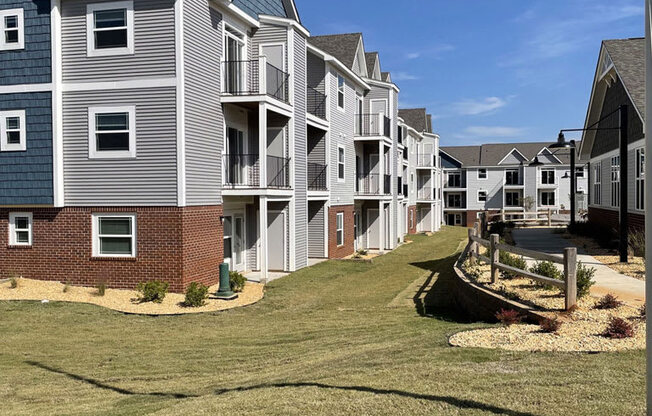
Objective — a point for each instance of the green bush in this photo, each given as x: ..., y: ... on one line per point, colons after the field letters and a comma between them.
x: 196, y: 295
x: 13, y: 282
x: 510, y: 260
x: 472, y: 270
x: 637, y: 243
x: 546, y: 269
x: 585, y: 280
x: 237, y: 281
x: 101, y: 289
x: 152, y: 291
x: 66, y: 287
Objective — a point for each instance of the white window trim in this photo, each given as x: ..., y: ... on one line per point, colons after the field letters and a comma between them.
x: 554, y: 176
x: 597, y: 184
x: 339, y: 218
x: 343, y: 163
x: 4, y: 143
x: 343, y: 92
x: 96, y: 234
x: 554, y: 196
x: 12, y: 228
x: 614, y: 180
x: 93, y: 153
x: 486, y: 174
x: 639, y: 178
x: 486, y: 195
x: 21, y: 30
x: 90, y: 28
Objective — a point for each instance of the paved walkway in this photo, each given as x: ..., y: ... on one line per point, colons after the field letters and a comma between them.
x: 607, y: 280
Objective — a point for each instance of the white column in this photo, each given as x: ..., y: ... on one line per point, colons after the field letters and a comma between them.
x: 381, y: 218
x: 381, y: 167
x: 262, y: 144
x: 263, y: 252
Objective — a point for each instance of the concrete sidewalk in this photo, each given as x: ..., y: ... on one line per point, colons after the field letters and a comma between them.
x: 628, y: 289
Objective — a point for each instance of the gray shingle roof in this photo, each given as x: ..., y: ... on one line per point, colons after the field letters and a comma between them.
x: 415, y: 118
x: 386, y: 76
x: 256, y: 7
x: 492, y: 154
x: 371, y: 57
x: 628, y: 56
x: 343, y: 47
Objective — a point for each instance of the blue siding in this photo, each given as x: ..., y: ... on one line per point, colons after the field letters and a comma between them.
x: 26, y: 177
x: 31, y: 65
x: 256, y: 7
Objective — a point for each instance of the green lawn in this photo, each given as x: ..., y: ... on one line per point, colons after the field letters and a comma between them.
x: 323, y: 341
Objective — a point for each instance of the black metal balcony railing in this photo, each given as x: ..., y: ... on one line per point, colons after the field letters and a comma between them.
x: 278, y: 172
x: 241, y: 170
x: 277, y: 83
x: 372, y: 184
x: 399, y: 187
x: 388, y: 184
x: 243, y: 78
x: 316, y: 103
x: 317, y: 177
x: 372, y: 125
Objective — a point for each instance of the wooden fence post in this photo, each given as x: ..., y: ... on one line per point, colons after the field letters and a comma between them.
x: 570, y: 272
x: 494, y: 255
x: 472, y: 246
x: 502, y: 215
x: 549, y: 217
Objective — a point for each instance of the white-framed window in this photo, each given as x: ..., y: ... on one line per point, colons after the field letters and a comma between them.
x: 12, y: 131
x: 548, y: 198
x: 411, y: 219
x: 20, y: 228
x: 454, y: 180
x: 615, y: 181
x: 114, y: 235
x: 547, y: 176
x: 112, y: 132
x: 12, y: 29
x: 482, y: 174
x: 341, y: 84
x: 340, y: 163
x: 597, y: 184
x: 512, y: 199
x: 640, y: 179
x: 339, y: 227
x: 511, y: 177
x: 110, y: 28
x: 482, y: 196
x: 227, y: 228
x: 454, y: 201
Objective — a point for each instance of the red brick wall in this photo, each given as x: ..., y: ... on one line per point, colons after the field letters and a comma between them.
x: 62, y: 247
x: 412, y: 213
x: 335, y: 252
x: 471, y: 218
x: 611, y: 218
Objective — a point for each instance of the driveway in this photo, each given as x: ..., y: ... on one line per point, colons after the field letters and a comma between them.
x: 607, y: 280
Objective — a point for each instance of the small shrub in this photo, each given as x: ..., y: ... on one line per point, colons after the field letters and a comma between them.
x: 547, y: 269
x: 608, y: 301
x: 618, y: 328
x: 550, y: 326
x: 237, y: 281
x: 637, y: 243
x: 362, y: 252
x: 66, y: 287
x: 13, y: 283
x: 472, y: 270
x: 584, y: 279
x: 101, y: 289
x: 508, y: 317
x: 153, y: 291
x: 196, y: 295
x: 510, y: 260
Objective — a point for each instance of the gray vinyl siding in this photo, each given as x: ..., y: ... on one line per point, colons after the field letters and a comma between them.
x: 203, y: 110
x: 149, y: 179
x: 316, y: 223
x: 531, y: 179
x: 316, y: 73
x: 272, y: 34
x: 252, y: 236
x: 271, y: 240
x: 341, y: 134
x: 300, y: 153
x: 376, y: 93
x: 154, y: 44
x: 512, y: 159
x: 395, y: 166
x: 317, y: 147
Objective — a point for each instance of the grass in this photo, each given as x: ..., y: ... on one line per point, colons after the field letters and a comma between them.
x: 323, y: 341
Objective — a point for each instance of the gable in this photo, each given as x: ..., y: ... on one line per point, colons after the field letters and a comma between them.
x: 513, y: 158
x: 360, y: 63
x: 448, y: 162
x: 547, y: 157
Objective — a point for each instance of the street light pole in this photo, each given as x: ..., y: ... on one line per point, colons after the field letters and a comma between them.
x: 573, y: 185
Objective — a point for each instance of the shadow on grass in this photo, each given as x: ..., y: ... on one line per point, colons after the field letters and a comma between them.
x: 103, y: 386
x: 453, y: 401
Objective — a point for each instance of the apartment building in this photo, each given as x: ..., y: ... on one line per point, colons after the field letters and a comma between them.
x: 619, y: 81
x: 149, y: 140
x: 495, y: 177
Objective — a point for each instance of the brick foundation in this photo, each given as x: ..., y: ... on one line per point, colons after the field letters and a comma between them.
x: 611, y: 218
x: 412, y: 214
x: 177, y: 245
x: 335, y: 252
x: 470, y: 218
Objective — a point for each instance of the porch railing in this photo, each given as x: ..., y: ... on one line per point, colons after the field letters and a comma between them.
x: 245, y: 78
x: 425, y: 160
x: 317, y: 177
x: 241, y: 170
x: 425, y: 195
x: 278, y: 172
x: 277, y: 83
x: 316, y: 103
x: 372, y: 125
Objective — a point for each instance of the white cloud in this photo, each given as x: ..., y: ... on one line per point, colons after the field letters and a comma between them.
x: 403, y: 76
x: 472, y: 107
x: 490, y: 132
x: 413, y: 55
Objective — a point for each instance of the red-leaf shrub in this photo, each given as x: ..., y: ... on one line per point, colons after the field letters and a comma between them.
x: 550, y: 326
x: 618, y: 328
x: 508, y: 317
x: 608, y: 301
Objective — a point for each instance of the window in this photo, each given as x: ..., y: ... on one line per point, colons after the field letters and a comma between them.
x: 12, y: 34
x: 340, y: 163
x: 511, y: 177
x: 548, y: 199
x: 340, y: 92
x: 20, y: 229
x: 339, y: 227
x: 454, y: 180
x: 228, y: 235
x: 114, y: 235
x: 454, y: 201
x: 597, y: 184
x: 482, y: 196
x: 640, y: 179
x: 615, y: 181
x: 512, y: 199
x: 482, y: 173
x: 110, y: 28
x: 112, y: 132
x: 547, y: 176
x: 12, y: 131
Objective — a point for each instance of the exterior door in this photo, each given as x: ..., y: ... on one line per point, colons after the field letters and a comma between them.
x: 388, y: 228
x: 372, y: 180
x: 238, y: 243
x: 373, y: 228
x: 425, y: 219
x: 356, y: 230
x: 276, y: 237
x: 236, y: 157
x: 276, y: 77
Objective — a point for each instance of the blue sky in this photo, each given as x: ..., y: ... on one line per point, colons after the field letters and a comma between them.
x: 489, y: 71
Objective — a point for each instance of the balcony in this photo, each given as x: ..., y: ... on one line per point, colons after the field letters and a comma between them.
x: 243, y: 171
x: 425, y: 194
x: 244, y: 78
x: 371, y: 184
x: 372, y: 125
x: 317, y: 177
x: 316, y: 103
x: 426, y: 160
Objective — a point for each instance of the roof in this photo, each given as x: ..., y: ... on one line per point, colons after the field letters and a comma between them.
x: 493, y: 154
x: 343, y: 47
x: 386, y: 76
x: 371, y: 58
x: 267, y: 7
x: 417, y: 118
x: 628, y: 56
